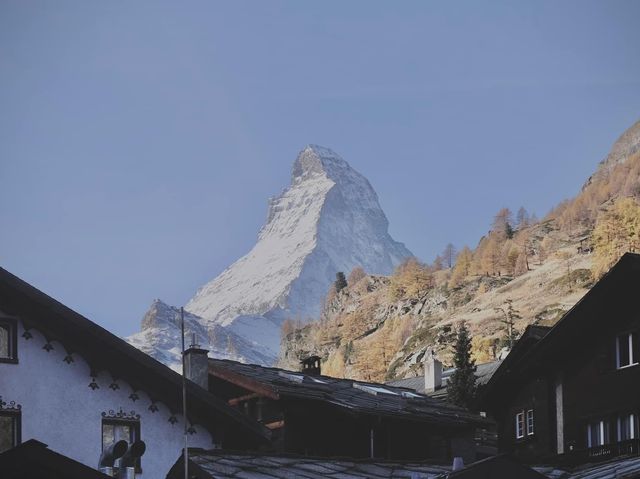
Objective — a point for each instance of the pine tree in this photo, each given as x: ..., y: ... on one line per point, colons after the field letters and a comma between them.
x: 341, y: 281
x: 522, y: 218
x: 502, y: 225
x: 449, y: 255
x: 461, y: 388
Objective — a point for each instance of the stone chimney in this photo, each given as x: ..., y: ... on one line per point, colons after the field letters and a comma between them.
x: 432, y: 372
x: 197, y: 365
x: 311, y: 366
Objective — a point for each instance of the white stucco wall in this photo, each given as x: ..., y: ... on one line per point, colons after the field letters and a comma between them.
x: 59, y: 409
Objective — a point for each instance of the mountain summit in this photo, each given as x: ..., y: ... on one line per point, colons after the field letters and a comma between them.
x: 328, y: 220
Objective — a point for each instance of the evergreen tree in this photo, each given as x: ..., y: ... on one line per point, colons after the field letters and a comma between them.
x: 461, y: 388
x: 449, y: 255
x: 341, y: 281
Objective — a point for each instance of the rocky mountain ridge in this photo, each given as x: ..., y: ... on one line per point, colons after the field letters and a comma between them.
x: 368, y: 332
x: 328, y: 220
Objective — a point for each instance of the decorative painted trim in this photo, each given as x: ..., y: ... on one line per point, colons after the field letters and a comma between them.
x: 121, y: 415
x: 153, y: 407
x: 10, y: 406
x: 48, y: 347
x: 114, y: 386
x: 68, y: 359
x: 93, y: 384
x: 134, y: 396
x: 27, y: 335
x: 192, y: 430
x: 172, y: 419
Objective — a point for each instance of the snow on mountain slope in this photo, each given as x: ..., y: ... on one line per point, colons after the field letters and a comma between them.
x: 160, y: 338
x: 327, y: 220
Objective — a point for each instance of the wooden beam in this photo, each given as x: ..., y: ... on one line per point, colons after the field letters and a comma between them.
x: 243, y: 382
x: 275, y: 425
x: 246, y: 397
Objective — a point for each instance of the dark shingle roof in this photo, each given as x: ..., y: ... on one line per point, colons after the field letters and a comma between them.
x: 495, y: 467
x: 356, y: 396
x: 224, y: 465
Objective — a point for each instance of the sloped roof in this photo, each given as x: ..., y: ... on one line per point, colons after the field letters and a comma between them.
x: 541, y: 348
x: 617, y: 469
x: 225, y: 465
x: 32, y: 459
x: 105, y: 351
x: 356, y: 397
x: 483, y: 374
x: 496, y: 467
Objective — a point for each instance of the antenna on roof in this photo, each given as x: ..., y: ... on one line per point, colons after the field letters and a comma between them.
x: 184, y: 400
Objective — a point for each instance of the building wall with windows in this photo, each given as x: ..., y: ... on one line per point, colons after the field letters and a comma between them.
x: 526, y: 423
x: 60, y: 403
x: 602, y: 392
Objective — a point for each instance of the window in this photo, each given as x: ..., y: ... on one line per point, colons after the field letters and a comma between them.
x: 114, y: 430
x: 8, y: 341
x: 627, y: 427
x: 520, y: 425
x: 625, y: 350
x: 530, y: 422
x: 598, y: 433
x: 9, y: 429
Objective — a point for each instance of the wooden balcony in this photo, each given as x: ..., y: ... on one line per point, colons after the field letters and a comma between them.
x: 630, y: 447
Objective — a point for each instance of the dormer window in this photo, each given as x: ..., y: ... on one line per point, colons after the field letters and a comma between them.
x: 626, y: 345
x: 8, y: 340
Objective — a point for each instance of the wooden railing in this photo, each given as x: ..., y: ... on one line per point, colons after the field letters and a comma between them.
x: 623, y: 448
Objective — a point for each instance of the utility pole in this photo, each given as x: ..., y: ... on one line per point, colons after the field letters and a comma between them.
x: 184, y: 400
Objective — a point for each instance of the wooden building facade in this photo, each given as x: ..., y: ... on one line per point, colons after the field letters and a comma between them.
x: 311, y: 414
x: 571, y: 394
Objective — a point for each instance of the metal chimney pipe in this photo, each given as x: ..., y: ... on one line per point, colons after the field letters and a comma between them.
x: 128, y: 460
x: 111, y: 453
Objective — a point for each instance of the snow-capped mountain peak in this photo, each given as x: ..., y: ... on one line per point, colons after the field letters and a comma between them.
x: 327, y: 220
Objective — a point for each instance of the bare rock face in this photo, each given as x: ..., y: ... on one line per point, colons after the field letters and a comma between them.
x: 327, y: 220
x: 627, y: 145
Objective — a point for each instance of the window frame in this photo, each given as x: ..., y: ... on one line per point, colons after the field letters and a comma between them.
x: 11, y: 326
x: 632, y: 419
x: 530, y: 422
x: 119, y: 421
x: 630, y: 346
x: 16, y: 415
x: 520, y: 425
x: 603, y: 429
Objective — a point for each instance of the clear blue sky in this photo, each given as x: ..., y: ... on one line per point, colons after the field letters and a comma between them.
x: 139, y: 141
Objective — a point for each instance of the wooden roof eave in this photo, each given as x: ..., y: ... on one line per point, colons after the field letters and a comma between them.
x: 244, y: 382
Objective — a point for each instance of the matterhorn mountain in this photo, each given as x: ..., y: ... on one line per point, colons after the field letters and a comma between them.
x: 327, y: 220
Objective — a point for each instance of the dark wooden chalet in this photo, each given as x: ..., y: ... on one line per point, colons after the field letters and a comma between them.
x: 571, y: 394
x: 318, y: 415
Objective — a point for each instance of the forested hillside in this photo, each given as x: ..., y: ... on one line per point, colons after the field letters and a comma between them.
x: 523, y: 271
